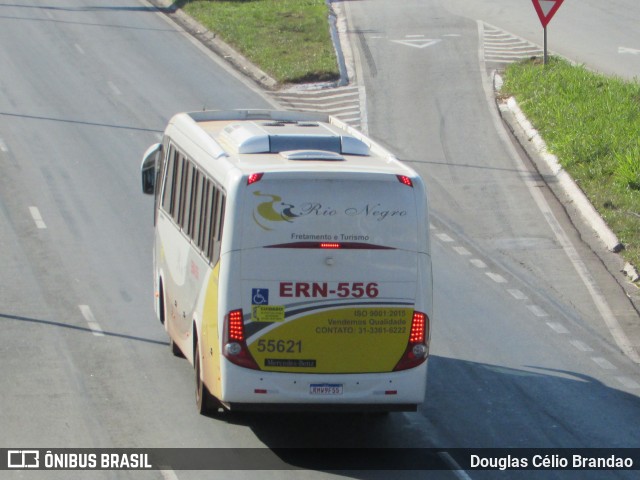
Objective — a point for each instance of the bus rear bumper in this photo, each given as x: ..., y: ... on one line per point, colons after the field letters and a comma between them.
x: 246, y: 389
x: 321, y: 407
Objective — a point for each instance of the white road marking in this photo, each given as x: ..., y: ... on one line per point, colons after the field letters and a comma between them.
x: 628, y: 382
x: 95, y: 327
x: 496, y: 277
x: 604, y: 363
x: 35, y: 214
x: 462, y: 251
x: 418, y: 42
x: 558, y: 327
x: 79, y: 48
x: 476, y: 262
x: 114, y: 88
x: 168, y: 474
x: 517, y: 294
x: 444, y: 237
x: 632, y: 51
x: 455, y: 468
x: 583, y: 347
x: 537, y: 311
x: 3, y: 146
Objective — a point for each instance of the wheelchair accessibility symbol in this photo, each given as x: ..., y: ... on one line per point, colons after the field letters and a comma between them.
x: 259, y: 296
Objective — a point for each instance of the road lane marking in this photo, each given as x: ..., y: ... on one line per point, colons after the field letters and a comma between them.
x: 114, y: 88
x: 94, y: 326
x: 168, y: 474
x: 35, y: 214
x: 3, y: 146
x: 496, y: 277
x: 418, y: 42
x: 476, y: 262
x: 537, y: 311
x: 462, y: 251
x: 583, y: 347
x: 444, y: 237
x: 627, y: 382
x: 632, y: 51
x: 517, y: 294
x: 604, y: 363
x: 558, y: 327
x: 455, y: 468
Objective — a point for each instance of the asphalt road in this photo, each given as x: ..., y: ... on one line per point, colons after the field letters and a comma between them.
x: 519, y: 293
x: 521, y: 355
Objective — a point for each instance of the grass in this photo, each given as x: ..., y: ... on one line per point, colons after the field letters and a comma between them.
x: 592, y: 124
x: 289, y: 39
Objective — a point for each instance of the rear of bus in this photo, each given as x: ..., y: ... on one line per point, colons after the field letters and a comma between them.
x: 329, y: 292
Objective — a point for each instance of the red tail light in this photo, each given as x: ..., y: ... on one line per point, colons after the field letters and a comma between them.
x: 234, y: 346
x: 330, y: 245
x: 235, y: 324
x: 405, y: 180
x: 418, y: 345
x: 418, y: 328
x: 254, y: 177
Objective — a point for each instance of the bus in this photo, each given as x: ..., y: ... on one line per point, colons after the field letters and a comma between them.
x: 292, y: 262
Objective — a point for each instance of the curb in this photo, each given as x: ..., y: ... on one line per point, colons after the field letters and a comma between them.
x: 240, y: 62
x: 568, y: 185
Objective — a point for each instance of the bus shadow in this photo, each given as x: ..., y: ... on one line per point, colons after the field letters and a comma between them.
x: 468, y: 405
x: 51, y: 323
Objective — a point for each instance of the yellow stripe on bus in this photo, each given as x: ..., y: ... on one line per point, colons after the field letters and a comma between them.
x: 344, y: 340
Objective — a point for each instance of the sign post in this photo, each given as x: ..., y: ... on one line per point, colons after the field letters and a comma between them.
x: 546, y: 9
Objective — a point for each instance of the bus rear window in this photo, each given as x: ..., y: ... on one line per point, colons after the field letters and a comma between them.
x: 377, y: 214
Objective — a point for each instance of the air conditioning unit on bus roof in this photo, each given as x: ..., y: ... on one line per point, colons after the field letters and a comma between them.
x: 276, y: 136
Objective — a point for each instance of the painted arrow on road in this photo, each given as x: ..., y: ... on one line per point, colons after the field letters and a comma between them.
x: 418, y: 41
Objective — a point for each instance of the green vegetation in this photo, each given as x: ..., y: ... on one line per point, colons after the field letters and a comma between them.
x: 592, y: 124
x: 289, y: 39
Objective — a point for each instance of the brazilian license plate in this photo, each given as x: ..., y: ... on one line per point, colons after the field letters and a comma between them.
x: 325, y: 389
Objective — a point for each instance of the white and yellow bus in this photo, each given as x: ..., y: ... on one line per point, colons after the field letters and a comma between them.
x: 292, y: 262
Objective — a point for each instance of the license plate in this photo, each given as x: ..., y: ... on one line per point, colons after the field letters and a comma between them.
x: 325, y: 389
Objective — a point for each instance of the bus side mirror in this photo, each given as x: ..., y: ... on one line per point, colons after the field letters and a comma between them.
x: 148, y: 168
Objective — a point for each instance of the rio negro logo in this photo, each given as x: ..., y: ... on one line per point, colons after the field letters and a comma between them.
x: 273, y: 210
x: 269, y: 213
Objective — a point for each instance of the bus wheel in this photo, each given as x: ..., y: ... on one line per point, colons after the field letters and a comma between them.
x: 175, y: 349
x: 205, y: 402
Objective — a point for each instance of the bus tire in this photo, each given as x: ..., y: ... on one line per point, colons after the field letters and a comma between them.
x: 161, y: 304
x: 175, y: 349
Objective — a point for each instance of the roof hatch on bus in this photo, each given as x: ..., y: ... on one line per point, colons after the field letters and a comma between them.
x: 275, y: 137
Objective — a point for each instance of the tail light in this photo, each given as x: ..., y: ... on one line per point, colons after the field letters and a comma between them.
x: 254, y: 177
x: 405, y: 180
x: 234, y: 342
x: 329, y: 245
x: 418, y: 345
